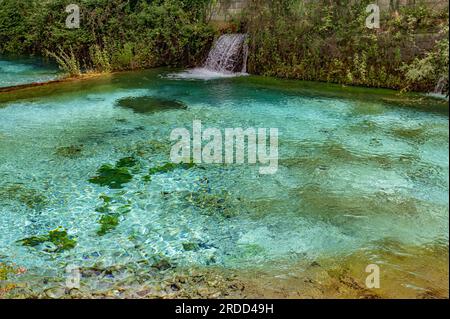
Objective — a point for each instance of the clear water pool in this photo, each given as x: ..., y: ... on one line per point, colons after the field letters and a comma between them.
x: 357, y: 171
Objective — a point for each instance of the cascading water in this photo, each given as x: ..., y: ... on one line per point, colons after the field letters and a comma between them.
x: 227, y: 58
x: 441, y: 89
x: 440, y: 86
x: 228, y: 54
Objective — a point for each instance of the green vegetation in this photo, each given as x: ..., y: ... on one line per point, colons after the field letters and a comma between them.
x: 113, y: 34
x: 328, y: 41
x: 58, y: 237
x: 309, y: 40
x: 433, y: 67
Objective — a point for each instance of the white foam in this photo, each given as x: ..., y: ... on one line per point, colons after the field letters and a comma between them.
x: 203, y: 74
x: 438, y: 96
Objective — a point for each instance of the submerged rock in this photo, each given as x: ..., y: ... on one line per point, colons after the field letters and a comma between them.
x: 72, y: 151
x: 29, y: 197
x: 150, y: 104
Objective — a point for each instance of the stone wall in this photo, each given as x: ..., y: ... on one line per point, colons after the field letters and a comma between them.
x: 227, y: 9
x: 395, y: 4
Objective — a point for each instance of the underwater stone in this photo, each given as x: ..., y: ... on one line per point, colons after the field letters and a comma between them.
x: 30, y: 197
x: 162, y: 264
x: 190, y: 246
x: 69, y: 151
x: 149, y: 104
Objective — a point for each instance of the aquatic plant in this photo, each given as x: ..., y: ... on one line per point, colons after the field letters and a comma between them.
x: 58, y: 237
x: 112, y: 209
x: 127, y: 162
x: 107, y: 223
x: 168, y: 167
x: 149, y: 104
x: 113, y: 177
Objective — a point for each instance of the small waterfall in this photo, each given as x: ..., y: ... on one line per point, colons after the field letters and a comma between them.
x: 440, y: 87
x: 228, y: 54
x: 227, y: 58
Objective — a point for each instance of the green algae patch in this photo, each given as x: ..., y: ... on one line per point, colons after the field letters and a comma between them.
x: 6, y: 270
x: 107, y: 224
x: 127, y: 162
x: 112, y: 209
x: 58, y: 237
x: 166, y: 168
x: 29, y: 197
x: 149, y: 104
x: 188, y: 246
x: 113, y: 177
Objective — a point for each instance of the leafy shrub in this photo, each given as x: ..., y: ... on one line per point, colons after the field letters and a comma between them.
x: 113, y: 34
x: 433, y: 67
x: 67, y: 61
x: 328, y: 41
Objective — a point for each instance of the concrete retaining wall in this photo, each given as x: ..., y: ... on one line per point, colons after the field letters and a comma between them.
x: 227, y: 9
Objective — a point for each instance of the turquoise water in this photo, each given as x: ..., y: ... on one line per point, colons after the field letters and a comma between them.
x: 15, y: 71
x: 355, y: 172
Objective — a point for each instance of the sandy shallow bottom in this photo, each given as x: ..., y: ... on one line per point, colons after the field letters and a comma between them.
x: 418, y: 274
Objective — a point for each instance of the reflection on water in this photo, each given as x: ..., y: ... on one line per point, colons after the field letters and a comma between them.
x: 363, y: 179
